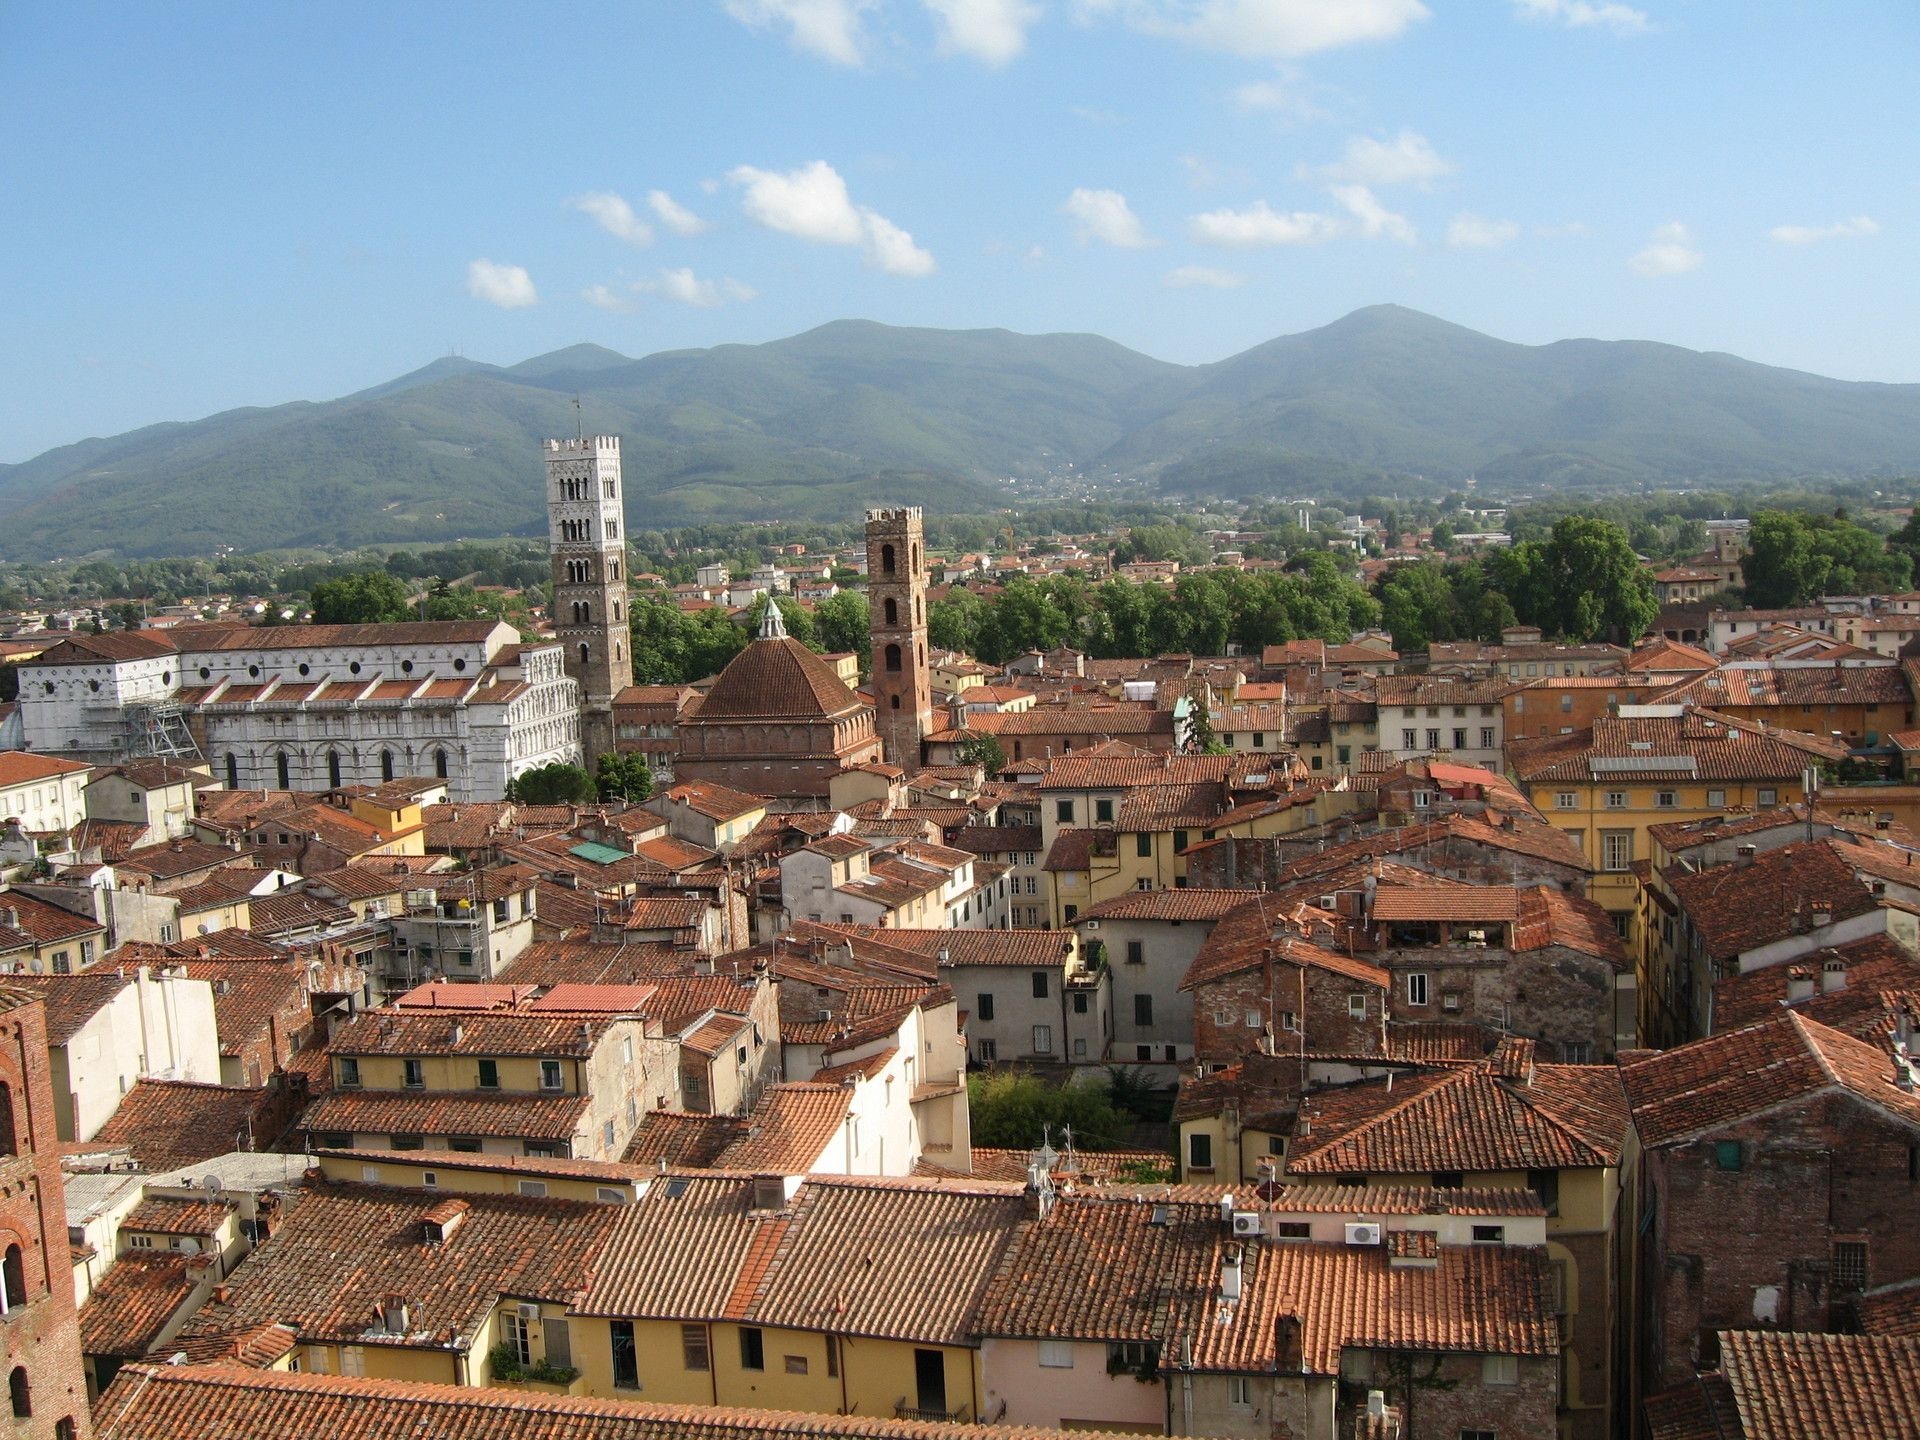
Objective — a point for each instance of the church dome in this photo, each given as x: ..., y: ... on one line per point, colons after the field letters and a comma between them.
x: 776, y: 678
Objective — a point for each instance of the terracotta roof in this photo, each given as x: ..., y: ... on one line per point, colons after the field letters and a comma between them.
x: 253, y: 1346
x: 1106, y: 1268
x: 132, y: 1303
x: 1775, y: 1385
x: 159, y: 1402
x: 775, y: 679
x: 171, y: 1124
x: 713, y: 800
x: 250, y: 995
x: 1481, y: 1299
x: 198, y: 638
x: 160, y: 1215
x: 683, y: 1141
x: 21, y: 767
x: 1735, y: 908
x: 1711, y: 1083
x: 70, y: 1001
x: 1040, y: 949
x: 997, y: 839
x: 1698, y: 744
x: 449, y: 1113
x: 1469, y: 1119
x: 1191, y: 903
x: 1241, y: 938
x: 1085, y: 771
x: 112, y: 647
x: 1816, y: 686
x: 486, y: 1032
x: 1446, y: 902
x: 1850, y: 996
x: 789, y: 1128
x: 505, y: 1245
x: 292, y: 910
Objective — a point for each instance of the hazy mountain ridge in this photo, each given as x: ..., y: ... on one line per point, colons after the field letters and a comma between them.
x: 827, y: 421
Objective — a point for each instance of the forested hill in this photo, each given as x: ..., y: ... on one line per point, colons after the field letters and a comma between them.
x: 823, y: 423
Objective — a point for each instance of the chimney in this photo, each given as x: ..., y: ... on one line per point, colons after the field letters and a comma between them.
x: 1038, y: 1193
x: 1288, y: 1358
x: 1743, y: 855
x: 1833, y: 976
x: 1822, y: 914
x: 1230, y: 1275
x: 1799, y: 984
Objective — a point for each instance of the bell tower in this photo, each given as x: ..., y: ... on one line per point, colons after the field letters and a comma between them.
x: 897, y: 601
x: 586, y: 516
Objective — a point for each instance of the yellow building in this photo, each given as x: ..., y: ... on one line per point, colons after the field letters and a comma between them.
x: 534, y: 1080
x: 1656, y: 764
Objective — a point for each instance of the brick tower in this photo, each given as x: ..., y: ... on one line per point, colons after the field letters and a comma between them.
x: 897, y: 597
x: 585, y: 524
x: 39, y: 1328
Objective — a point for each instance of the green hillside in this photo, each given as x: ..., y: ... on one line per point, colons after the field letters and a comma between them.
x: 820, y: 424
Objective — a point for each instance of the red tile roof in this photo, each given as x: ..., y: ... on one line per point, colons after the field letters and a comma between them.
x: 1191, y: 903
x: 170, y: 1124
x: 790, y: 1126
x: 133, y: 1302
x: 20, y: 767
x: 159, y: 1402
x: 448, y: 1113
x: 1700, y: 1087
x: 1470, y: 1119
x: 1775, y: 1385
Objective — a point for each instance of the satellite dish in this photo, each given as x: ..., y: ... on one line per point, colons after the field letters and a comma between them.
x: 212, y: 1183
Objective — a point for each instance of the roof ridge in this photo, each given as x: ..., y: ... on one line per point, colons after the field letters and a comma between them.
x: 1441, y: 1078
x: 1555, y: 1121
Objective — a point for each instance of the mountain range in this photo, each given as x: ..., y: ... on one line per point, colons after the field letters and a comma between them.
x: 820, y: 424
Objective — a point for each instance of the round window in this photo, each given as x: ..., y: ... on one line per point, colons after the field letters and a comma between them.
x: 354, y: 667
x: 305, y: 669
x: 206, y: 673
x: 49, y: 687
x: 459, y: 664
x: 406, y: 667
x: 254, y: 671
x: 166, y: 677
x: 94, y: 685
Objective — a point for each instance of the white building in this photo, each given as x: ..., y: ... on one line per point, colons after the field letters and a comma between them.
x: 312, y: 707
x: 45, y: 794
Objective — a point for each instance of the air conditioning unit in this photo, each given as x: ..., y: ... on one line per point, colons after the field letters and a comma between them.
x: 1363, y: 1234
x: 1091, y: 924
x: 1246, y: 1222
x: 532, y: 1312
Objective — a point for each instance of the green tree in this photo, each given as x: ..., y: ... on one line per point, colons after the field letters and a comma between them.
x: 1583, y: 582
x: 984, y: 750
x: 555, y: 784
x: 1012, y: 1110
x: 842, y: 623
x: 623, y: 777
x: 1795, y: 556
x: 367, y: 597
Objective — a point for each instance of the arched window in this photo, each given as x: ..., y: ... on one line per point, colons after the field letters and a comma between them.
x: 233, y: 770
x: 886, y: 559
x: 283, y: 771
x: 616, y: 612
x: 915, y: 568
x: 893, y: 702
x: 586, y: 612
x: 9, y: 1137
x: 893, y: 658
x: 586, y: 653
x: 441, y: 765
x: 892, y: 612
x: 333, y: 769
x: 21, y: 1393
x: 13, y: 1280
x: 386, y: 765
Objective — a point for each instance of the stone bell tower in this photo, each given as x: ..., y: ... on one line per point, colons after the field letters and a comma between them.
x: 897, y: 599
x: 586, y: 521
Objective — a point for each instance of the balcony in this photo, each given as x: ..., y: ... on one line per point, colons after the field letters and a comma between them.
x: 904, y: 1411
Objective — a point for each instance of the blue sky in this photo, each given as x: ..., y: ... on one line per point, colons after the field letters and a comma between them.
x: 204, y: 206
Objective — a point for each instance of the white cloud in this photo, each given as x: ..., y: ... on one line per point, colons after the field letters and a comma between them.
x: 1587, y: 15
x: 1476, y: 232
x: 1203, y: 277
x: 1669, y: 251
x: 1276, y: 97
x: 831, y: 29
x: 1104, y: 215
x: 990, y: 31
x: 605, y: 297
x: 812, y: 203
x: 508, y: 286
x: 1264, y: 29
x: 1857, y: 228
x: 892, y: 249
x: 1408, y: 158
x: 683, y: 286
x: 1375, y: 220
x: 1259, y: 224
x: 672, y: 214
x: 615, y: 216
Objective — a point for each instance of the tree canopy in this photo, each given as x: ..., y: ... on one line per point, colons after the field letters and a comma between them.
x: 555, y: 784
x: 369, y: 597
x: 1796, y: 556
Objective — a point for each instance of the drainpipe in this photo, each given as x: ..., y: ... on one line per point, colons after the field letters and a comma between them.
x: 1186, y: 1384
x: 841, y: 1367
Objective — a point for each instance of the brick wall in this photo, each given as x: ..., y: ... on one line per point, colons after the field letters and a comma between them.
x: 1555, y: 994
x: 41, y: 1336
x: 1526, y: 1408
x: 1823, y: 1171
